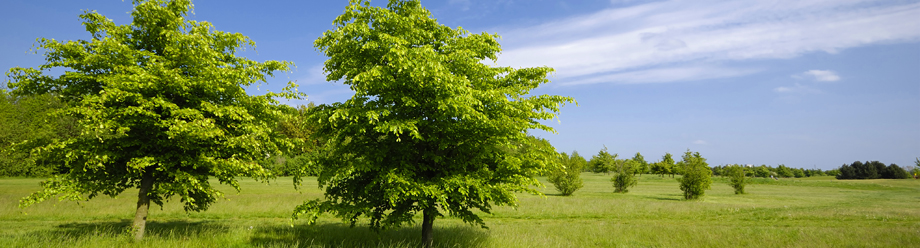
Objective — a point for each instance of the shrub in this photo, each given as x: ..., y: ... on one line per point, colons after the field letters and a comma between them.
x: 624, y: 177
x: 697, y: 177
x: 736, y: 174
x: 567, y: 179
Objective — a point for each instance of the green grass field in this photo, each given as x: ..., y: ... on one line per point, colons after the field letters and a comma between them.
x: 810, y: 212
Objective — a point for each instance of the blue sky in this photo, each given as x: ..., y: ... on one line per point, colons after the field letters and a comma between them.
x: 805, y: 83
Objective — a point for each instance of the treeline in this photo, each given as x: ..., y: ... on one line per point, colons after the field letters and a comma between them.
x: 872, y: 170
x: 780, y: 171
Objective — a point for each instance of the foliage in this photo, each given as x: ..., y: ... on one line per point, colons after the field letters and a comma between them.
x: 161, y: 107
x: 430, y: 128
x: 665, y: 166
x: 25, y: 123
x: 567, y: 178
x: 603, y: 162
x: 642, y: 166
x: 624, y: 175
x: 783, y: 171
x: 697, y: 177
x: 871, y: 170
x: 737, y: 176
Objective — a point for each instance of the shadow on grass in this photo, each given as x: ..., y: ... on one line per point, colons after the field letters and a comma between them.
x: 666, y: 198
x: 166, y: 229
x: 341, y: 235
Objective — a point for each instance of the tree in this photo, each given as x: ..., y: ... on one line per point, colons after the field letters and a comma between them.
x: 430, y: 128
x: 783, y: 171
x: 697, y: 177
x: 161, y: 107
x: 736, y: 174
x: 667, y: 164
x: 603, y: 162
x: 624, y: 176
x: 762, y: 171
x: 567, y: 179
x: 894, y: 171
x: 642, y: 165
x: 25, y: 123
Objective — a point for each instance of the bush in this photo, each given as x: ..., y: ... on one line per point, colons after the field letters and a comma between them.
x: 737, y: 175
x: 624, y: 177
x: 697, y: 177
x: 567, y: 179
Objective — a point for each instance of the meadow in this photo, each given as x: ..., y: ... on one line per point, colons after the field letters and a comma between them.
x: 807, y: 212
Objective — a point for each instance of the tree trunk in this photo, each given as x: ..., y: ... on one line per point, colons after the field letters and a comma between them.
x: 143, y: 205
x: 427, y: 225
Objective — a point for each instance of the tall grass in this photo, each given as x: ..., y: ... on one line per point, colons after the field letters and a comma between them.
x: 812, y: 212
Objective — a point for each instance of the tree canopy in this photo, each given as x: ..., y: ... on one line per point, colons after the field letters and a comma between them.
x: 161, y: 107
x: 430, y: 128
x: 696, y: 176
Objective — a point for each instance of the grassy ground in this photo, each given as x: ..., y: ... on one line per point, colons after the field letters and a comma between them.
x: 811, y: 212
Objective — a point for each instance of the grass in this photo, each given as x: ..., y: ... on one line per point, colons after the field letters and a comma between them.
x: 810, y: 212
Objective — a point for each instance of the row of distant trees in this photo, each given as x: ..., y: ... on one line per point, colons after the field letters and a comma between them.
x: 874, y: 170
x: 781, y: 170
x: 696, y: 172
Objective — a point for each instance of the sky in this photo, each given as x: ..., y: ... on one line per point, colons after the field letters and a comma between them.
x: 805, y: 83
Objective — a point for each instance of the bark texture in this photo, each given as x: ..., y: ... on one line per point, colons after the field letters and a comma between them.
x: 143, y: 205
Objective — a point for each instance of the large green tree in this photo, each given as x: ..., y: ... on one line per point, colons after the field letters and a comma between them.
x: 430, y: 128
x: 161, y: 107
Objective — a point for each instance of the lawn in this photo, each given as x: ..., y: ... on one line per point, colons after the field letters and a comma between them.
x: 809, y: 212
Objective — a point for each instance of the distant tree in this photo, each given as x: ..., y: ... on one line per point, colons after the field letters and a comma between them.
x: 624, y: 175
x: 871, y: 170
x: 894, y: 171
x: 761, y: 171
x: 642, y: 165
x: 784, y: 171
x: 162, y: 107
x: 697, y: 177
x: 430, y: 129
x: 736, y: 174
x: 717, y: 170
x: 798, y: 172
x: 846, y: 171
x: 667, y: 164
x: 603, y: 162
x: 868, y: 170
x: 832, y: 173
x: 567, y: 178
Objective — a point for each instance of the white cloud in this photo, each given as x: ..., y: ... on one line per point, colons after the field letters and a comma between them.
x: 818, y: 75
x: 699, y: 142
x: 589, y: 48
x: 796, y: 89
x: 664, y: 75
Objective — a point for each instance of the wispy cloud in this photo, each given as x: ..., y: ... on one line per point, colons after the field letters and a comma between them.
x: 667, y: 74
x: 620, y: 41
x: 796, y: 89
x: 818, y: 75
x: 699, y: 142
